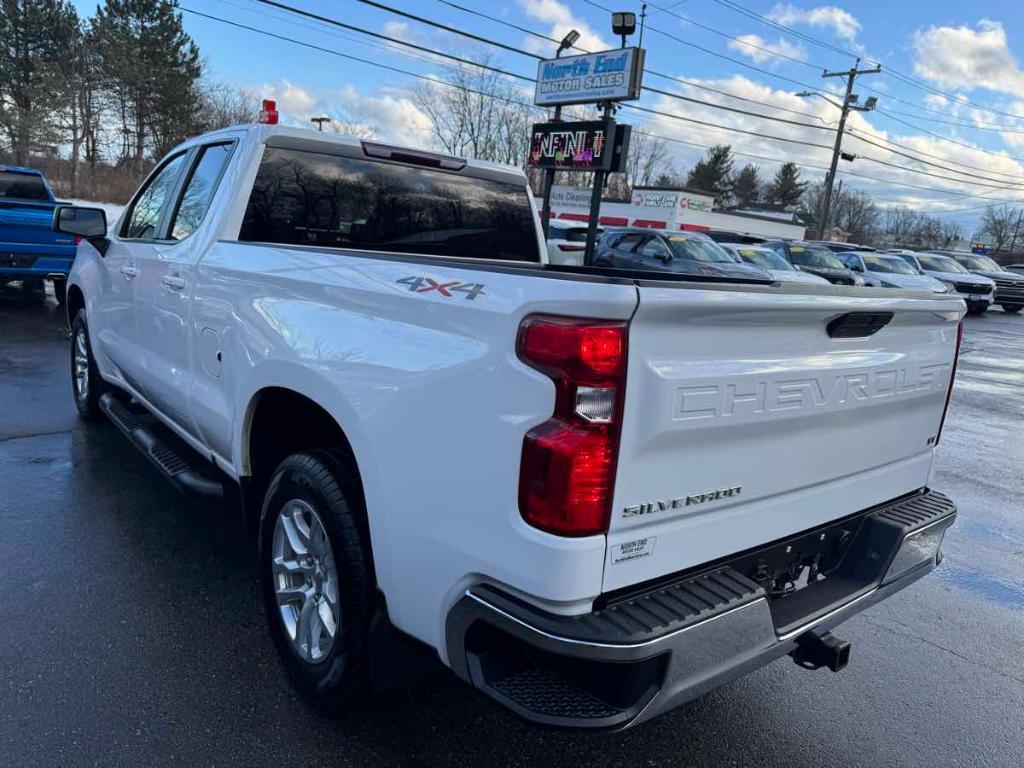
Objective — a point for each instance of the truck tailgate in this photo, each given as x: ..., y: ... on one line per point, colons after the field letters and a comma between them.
x: 745, y: 421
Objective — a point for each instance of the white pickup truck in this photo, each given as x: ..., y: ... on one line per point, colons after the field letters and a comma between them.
x: 594, y: 494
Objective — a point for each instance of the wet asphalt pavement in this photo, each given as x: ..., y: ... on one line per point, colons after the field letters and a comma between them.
x: 131, y: 631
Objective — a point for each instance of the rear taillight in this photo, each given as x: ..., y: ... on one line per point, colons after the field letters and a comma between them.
x: 568, y: 464
x: 952, y: 376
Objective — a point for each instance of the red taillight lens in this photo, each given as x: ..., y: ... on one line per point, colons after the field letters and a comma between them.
x: 568, y: 464
x: 952, y: 376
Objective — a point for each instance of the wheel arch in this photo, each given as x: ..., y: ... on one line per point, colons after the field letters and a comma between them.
x: 280, y: 421
x: 75, y: 301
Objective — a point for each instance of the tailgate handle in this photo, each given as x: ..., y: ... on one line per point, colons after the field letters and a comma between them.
x: 858, y: 325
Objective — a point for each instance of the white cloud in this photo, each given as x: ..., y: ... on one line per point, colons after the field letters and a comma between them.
x: 560, y: 19
x: 385, y: 115
x: 962, y: 57
x: 888, y: 177
x: 761, y: 50
x: 842, y: 23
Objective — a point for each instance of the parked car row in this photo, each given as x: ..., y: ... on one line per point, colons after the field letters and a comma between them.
x: 977, y: 279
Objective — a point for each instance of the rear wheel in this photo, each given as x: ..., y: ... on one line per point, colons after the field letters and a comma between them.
x: 1012, y: 309
x: 86, y: 383
x: 317, y: 584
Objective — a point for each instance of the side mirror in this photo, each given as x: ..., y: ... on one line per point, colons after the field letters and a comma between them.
x: 82, y: 222
x: 856, y: 267
x: 657, y: 252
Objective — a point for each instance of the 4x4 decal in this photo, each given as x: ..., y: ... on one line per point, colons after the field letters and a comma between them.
x: 427, y: 284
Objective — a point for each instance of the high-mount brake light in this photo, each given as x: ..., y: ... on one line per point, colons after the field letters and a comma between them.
x: 413, y: 157
x: 268, y: 113
x: 952, y: 377
x: 568, y: 464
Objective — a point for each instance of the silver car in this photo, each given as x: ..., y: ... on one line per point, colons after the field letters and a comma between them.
x: 890, y: 271
x: 770, y: 261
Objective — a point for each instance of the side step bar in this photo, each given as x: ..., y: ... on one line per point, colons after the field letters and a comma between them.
x: 177, y: 462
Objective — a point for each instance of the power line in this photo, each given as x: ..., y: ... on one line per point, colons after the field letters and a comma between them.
x: 472, y: 36
x: 710, y: 52
x: 908, y: 79
x: 457, y: 31
x: 649, y: 71
x: 538, y: 35
x: 874, y: 143
x: 443, y: 83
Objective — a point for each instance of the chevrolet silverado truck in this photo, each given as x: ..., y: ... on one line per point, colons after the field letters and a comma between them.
x: 593, y: 493
x: 30, y: 251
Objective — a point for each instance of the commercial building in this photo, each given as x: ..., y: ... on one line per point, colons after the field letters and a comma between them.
x: 671, y: 208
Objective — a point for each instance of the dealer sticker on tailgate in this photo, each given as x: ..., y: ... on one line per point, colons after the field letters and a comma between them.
x: 631, y: 550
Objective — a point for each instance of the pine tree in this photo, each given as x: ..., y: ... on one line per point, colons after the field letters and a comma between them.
x: 714, y: 174
x: 36, y: 41
x: 786, y: 188
x: 152, y: 68
x: 746, y: 191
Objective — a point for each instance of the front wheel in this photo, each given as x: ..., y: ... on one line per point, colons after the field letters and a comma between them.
x: 317, y: 582
x: 976, y: 309
x: 1012, y: 309
x: 86, y: 383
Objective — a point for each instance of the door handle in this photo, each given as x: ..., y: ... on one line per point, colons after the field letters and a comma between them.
x: 129, y: 271
x: 174, y: 282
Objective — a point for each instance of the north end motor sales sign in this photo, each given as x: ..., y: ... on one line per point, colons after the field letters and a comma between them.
x: 593, y: 77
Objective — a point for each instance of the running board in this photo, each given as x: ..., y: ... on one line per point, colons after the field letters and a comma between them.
x: 176, y: 461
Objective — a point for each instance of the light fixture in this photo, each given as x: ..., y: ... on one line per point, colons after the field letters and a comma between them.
x: 568, y: 41
x: 871, y: 102
x: 623, y: 24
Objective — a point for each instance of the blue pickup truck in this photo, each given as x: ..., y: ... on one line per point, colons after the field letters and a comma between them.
x: 30, y: 251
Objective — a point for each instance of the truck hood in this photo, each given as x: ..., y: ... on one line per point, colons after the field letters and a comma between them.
x: 910, y: 282
x: 958, y: 277
x: 796, y: 276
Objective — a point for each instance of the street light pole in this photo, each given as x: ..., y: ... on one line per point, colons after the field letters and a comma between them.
x: 549, y: 175
x: 849, y: 103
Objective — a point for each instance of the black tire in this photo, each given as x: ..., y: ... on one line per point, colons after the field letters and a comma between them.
x: 977, y: 309
x: 87, y: 405
x: 1012, y: 309
x: 60, y: 291
x: 320, y: 479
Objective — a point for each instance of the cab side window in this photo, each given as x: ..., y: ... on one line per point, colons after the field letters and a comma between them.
x: 144, y: 219
x: 199, y: 189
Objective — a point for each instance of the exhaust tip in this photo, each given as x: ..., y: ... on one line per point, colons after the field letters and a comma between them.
x: 814, y: 651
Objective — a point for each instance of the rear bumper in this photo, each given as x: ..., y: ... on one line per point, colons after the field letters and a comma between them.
x: 20, y: 260
x: 662, y: 647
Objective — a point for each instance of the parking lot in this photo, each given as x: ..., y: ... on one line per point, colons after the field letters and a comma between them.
x: 131, y: 630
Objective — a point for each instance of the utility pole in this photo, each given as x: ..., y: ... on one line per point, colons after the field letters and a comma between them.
x: 849, y: 103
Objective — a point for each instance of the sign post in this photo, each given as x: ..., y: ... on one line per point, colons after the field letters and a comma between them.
x: 599, y: 146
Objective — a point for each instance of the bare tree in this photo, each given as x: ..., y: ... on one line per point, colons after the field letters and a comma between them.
x: 998, y: 224
x: 221, y: 105
x: 477, y: 114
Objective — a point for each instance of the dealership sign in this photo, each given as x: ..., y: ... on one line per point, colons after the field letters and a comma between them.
x: 674, y: 200
x: 592, y: 145
x: 593, y: 77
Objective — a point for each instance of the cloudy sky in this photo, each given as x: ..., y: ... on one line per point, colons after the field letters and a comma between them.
x: 948, y: 136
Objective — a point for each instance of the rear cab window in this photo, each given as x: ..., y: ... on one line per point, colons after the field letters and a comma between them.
x: 23, y: 186
x: 301, y: 197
